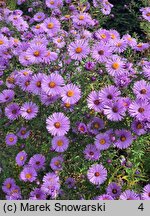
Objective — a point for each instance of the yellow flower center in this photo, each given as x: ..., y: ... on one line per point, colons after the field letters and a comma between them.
x: 96, y: 125
x: 23, y: 132
x: 97, y: 174
x: 36, y: 53
x: 148, y: 14
x: 21, y: 158
x: 78, y: 50
x: 52, y: 2
x: 50, y: 25
x: 28, y: 176
x: 57, y: 163
x: 113, y: 36
x: 37, y: 26
x: 57, y: 125
x: 52, y: 84
x: 1, y: 42
x: 123, y: 138
x: 67, y: 105
x: 38, y: 84
x: 139, y: 45
x: 102, y: 141
x: 16, y: 40
x: 81, y: 17
x: 67, y: 16
x: 143, y: 91
x: 29, y: 110
x: 60, y: 143
x: 10, y: 80
x: 70, y: 93
x: 141, y: 110
x: 11, y: 139
x: 8, y: 185
x: 59, y: 40
x: 119, y: 44
x: 115, y: 65
x: 27, y: 83
x: 39, y: 17
x: 139, y: 126
x: 103, y: 36
x: 25, y: 73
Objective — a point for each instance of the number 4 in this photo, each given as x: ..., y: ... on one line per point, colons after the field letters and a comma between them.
x: 141, y: 207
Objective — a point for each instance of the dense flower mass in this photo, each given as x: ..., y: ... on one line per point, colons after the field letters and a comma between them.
x: 74, y: 103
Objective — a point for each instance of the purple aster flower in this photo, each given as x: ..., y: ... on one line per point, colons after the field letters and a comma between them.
x: 112, y: 136
x: 50, y: 57
x: 21, y: 158
x: 141, y: 89
x: 95, y: 125
x: 104, y: 197
x: 35, y: 53
x: 113, y: 190
x: 51, y: 177
x: 124, y: 139
x: 70, y: 94
x: 4, y: 43
x: 28, y: 174
x: 70, y: 182
x: 12, y: 111
x: 35, y: 83
x: 38, y: 17
x: 14, y: 196
x: 24, y: 83
x: 97, y: 174
x: 29, y: 110
x: 23, y: 133
x: 78, y: 49
x: 37, y: 161
x: 53, y: 4
x: 129, y: 40
x: 11, y: 139
x: 119, y: 45
x: 101, y: 52
x: 109, y: 93
x: 58, y: 124
x: 115, y: 65
x: 8, y: 185
x: 37, y: 29
x: 146, y: 192
x: 56, y: 163
x: 146, y: 13
x: 7, y: 95
x: 60, y: 143
x: 94, y: 102
x: 81, y: 128
x: 51, y: 189
x: 47, y: 99
x: 91, y: 153
x: 138, y: 127
x: 115, y: 111
x: 129, y: 195
x: 82, y: 19
x: 139, y: 109
x: 51, y: 184
x: 102, y: 35
x: 141, y: 46
x: 37, y: 194
x: 52, y: 84
x: 102, y: 141
x: 51, y: 26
